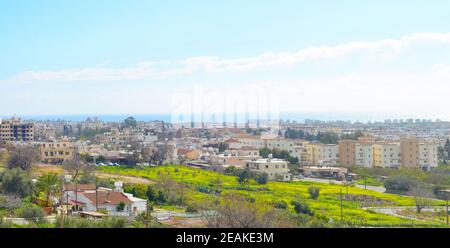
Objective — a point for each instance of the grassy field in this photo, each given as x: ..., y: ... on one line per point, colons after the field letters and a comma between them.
x: 4, y: 157
x: 328, y: 203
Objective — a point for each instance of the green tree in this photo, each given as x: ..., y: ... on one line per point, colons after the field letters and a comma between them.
x: 262, y: 178
x: 48, y: 184
x: 244, y: 176
x: 400, y: 184
x: 151, y: 194
x: 16, y: 181
x: 129, y: 122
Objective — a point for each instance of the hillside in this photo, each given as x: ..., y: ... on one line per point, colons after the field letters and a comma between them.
x: 200, y: 182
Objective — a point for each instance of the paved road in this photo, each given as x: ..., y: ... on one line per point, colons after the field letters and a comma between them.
x: 319, y: 180
x: 394, y: 210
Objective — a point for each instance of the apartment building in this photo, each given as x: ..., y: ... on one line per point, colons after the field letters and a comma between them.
x: 56, y: 152
x: 322, y: 154
x: 357, y: 152
x: 347, y: 152
x: 253, y: 141
x: 419, y: 153
x: 364, y: 154
x: 15, y: 130
x: 270, y: 143
x: 276, y: 169
x: 387, y: 154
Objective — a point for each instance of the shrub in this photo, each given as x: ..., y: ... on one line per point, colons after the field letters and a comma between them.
x: 314, y: 192
x: 191, y: 209
x: 400, y: 183
x: 262, y: 178
x: 10, y: 202
x: 301, y: 207
x: 33, y: 213
x: 280, y: 205
x: 16, y: 181
x: 121, y: 206
x: 244, y: 176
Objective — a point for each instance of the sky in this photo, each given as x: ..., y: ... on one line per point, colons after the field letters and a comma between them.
x: 385, y: 59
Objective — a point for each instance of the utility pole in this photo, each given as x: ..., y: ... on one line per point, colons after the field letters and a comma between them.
x: 447, y: 209
x: 146, y: 215
x: 96, y: 198
x: 365, y: 180
x: 342, y: 216
x: 61, y: 200
x: 346, y: 197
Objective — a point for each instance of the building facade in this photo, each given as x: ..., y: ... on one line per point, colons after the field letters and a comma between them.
x: 322, y: 154
x: 15, y: 130
x: 56, y: 152
x: 387, y: 154
x: 419, y: 153
x: 276, y: 169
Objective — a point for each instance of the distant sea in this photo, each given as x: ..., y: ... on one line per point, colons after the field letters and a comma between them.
x: 300, y: 117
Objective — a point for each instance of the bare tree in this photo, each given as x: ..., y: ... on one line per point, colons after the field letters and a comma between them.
x: 77, y: 166
x: 237, y: 211
x: 421, y: 197
x: 23, y: 158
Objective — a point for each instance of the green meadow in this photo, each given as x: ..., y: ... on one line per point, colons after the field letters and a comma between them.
x: 328, y: 204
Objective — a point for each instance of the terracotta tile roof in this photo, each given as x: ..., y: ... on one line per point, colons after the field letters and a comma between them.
x: 107, y: 198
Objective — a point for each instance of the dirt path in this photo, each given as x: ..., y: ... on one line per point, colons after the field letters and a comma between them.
x: 126, y: 179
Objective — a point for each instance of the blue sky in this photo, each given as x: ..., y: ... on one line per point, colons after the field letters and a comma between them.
x: 114, y: 57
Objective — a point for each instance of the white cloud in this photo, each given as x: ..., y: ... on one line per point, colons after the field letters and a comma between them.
x: 206, y: 64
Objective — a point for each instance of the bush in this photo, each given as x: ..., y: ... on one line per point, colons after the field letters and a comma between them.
x: 301, y: 207
x: 33, y: 213
x: 16, y: 181
x: 262, y: 178
x: 203, y: 189
x: 244, y: 176
x: 400, y: 184
x: 191, y: 209
x: 314, y: 192
x: 121, y: 206
x: 280, y: 205
x: 10, y: 202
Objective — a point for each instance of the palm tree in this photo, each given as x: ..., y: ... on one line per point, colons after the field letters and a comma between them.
x: 48, y: 184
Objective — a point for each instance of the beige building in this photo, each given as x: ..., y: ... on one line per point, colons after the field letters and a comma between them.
x: 387, y: 154
x: 347, y: 152
x: 419, y: 153
x: 56, y: 152
x: 357, y: 152
x: 15, y: 130
x: 276, y: 169
x: 279, y: 143
x: 322, y: 154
